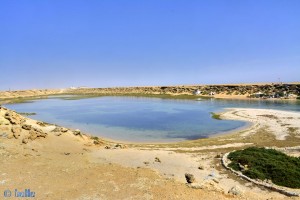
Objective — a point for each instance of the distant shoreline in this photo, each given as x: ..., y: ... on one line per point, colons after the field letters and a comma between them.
x: 285, y: 91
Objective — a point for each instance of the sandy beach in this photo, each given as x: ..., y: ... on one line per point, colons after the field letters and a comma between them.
x: 59, y: 163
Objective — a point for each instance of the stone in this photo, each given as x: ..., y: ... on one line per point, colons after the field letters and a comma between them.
x: 189, y: 178
x: 26, y: 127
x: 157, y: 159
x: 201, y: 167
x: 235, y: 190
x: 16, y: 130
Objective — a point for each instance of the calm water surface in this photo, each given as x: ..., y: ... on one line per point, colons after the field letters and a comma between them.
x: 143, y: 119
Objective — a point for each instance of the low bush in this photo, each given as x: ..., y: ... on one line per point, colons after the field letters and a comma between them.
x: 261, y: 163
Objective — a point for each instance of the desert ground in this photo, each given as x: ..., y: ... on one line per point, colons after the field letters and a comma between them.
x: 59, y: 163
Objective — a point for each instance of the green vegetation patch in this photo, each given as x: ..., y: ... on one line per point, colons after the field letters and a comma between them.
x: 216, y: 116
x: 270, y: 164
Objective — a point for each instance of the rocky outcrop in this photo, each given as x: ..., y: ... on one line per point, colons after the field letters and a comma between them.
x: 14, y: 118
x: 36, y: 133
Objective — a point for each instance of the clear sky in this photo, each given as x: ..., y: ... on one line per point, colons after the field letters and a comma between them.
x: 105, y: 43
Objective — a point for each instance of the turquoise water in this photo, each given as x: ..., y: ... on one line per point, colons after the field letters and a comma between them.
x: 143, y: 119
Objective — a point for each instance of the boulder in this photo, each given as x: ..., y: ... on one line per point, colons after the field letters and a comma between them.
x: 235, y: 190
x: 189, y: 178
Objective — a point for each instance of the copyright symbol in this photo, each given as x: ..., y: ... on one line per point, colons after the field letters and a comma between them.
x: 7, y: 193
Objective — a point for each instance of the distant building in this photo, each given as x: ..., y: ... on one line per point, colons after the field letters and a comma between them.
x: 259, y: 94
x: 197, y: 92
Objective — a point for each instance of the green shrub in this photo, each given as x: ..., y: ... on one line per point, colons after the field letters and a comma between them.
x: 215, y: 116
x: 270, y: 164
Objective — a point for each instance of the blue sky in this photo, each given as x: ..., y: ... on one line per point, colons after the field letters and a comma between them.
x: 106, y: 43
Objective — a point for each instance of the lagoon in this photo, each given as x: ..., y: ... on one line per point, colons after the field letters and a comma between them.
x: 143, y: 119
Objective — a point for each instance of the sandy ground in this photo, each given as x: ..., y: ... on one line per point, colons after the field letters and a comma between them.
x: 67, y: 165
x: 280, y: 123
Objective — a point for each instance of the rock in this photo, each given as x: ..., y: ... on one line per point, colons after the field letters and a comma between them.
x: 13, y: 118
x: 107, y: 147
x: 41, y: 124
x: 25, y: 140
x: 215, y: 180
x: 64, y: 130
x: 35, y: 133
x: 120, y: 146
x: 16, y: 131
x: 235, y: 190
x: 60, y: 129
x: 190, y: 178
x: 98, y: 142
x: 201, y: 167
x: 157, y: 159
x: 218, y: 156
x: 77, y: 132
x: 26, y: 127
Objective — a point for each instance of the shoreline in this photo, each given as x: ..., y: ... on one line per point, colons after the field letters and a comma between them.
x: 248, y: 125
x: 139, y: 165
